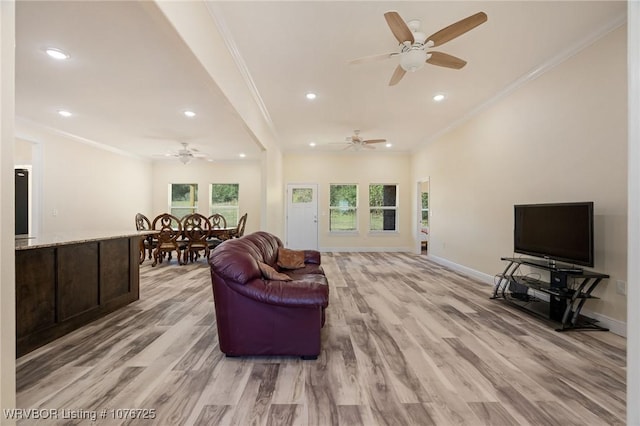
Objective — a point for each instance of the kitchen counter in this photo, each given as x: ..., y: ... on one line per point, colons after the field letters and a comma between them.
x: 66, y: 281
x: 24, y: 242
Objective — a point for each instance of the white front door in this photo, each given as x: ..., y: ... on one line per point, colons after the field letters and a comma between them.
x: 302, y: 216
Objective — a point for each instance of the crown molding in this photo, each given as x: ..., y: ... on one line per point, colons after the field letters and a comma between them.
x: 225, y: 33
x: 24, y: 134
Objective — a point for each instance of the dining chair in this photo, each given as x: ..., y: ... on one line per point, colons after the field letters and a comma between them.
x: 170, y: 230
x: 240, y: 228
x: 196, y: 229
x: 147, y: 244
x: 218, y: 222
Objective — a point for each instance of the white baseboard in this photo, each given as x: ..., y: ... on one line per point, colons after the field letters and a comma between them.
x: 366, y: 249
x: 615, y: 326
x: 485, y: 278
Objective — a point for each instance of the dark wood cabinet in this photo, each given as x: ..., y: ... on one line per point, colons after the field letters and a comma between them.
x: 62, y: 287
x: 35, y: 290
x: 115, y: 279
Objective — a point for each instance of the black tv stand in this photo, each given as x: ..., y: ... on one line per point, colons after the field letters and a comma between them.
x: 568, y: 289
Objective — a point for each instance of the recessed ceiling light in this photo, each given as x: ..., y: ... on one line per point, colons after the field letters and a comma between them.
x: 311, y: 96
x: 190, y: 114
x: 243, y: 155
x: 56, y: 53
x: 388, y: 145
x: 312, y: 144
x: 439, y: 97
x: 64, y: 113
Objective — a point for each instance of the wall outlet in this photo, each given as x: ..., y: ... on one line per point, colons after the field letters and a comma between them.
x: 54, y: 212
x: 621, y: 287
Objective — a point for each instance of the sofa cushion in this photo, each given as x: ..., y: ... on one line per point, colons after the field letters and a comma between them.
x: 271, y: 274
x: 309, y: 268
x: 290, y: 259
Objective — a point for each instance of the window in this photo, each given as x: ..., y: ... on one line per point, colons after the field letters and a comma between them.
x: 224, y: 201
x: 302, y: 195
x: 425, y: 210
x: 343, y: 208
x: 184, y: 199
x: 383, y: 207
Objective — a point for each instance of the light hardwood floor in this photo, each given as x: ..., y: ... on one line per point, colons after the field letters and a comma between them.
x: 406, y: 342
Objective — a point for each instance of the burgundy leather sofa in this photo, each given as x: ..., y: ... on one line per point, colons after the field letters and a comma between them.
x: 258, y: 316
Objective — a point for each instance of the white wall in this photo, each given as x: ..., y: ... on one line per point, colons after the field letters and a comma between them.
x: 361, y: 168
x: 273, y: 193
x: 7, y: 215
x: 561, y: 137
x: 204, y: 173
x: 23, y: 153
x: 85, y: 187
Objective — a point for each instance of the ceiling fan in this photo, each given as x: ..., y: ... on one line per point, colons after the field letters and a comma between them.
x: 414, y: 44
x: 356, y: 143
x: 186, y: 154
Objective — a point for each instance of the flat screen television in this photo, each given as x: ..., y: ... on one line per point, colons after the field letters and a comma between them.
x: 558, y: 231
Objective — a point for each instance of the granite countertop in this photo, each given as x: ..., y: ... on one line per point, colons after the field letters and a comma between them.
x: 24, y: 242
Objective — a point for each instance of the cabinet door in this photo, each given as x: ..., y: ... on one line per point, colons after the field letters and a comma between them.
x: 114, y: 269
x: 35, y: 290
x: 77, y: 279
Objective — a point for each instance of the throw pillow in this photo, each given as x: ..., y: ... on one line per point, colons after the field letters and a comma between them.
x: 290, y: 259
x: 271, y: 274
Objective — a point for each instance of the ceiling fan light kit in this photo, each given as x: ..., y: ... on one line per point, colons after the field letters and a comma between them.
x: 186, y: 154
x: 356, y: 143
x: 414, y: 44
x: 413, y: 59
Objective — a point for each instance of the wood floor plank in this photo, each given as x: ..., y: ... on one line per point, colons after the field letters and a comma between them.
x: 214, y: 415
x: 406, y: 342
x: 492, y: 413
x: 284, y: 415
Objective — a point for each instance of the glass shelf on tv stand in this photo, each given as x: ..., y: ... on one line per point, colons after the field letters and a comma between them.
x: 569, y: 299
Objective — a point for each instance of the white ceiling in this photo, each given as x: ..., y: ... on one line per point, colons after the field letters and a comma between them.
x: 130, y: 76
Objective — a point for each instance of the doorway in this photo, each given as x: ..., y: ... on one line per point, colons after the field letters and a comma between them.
x: 302, y: 216
x: 423, y: 215
x: 23, y: 207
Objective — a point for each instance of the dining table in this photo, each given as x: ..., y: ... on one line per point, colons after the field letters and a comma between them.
x: 223, y: 233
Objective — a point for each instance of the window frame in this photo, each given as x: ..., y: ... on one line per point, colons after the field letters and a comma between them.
x: 194, y: 200
x: 354, y: 208
x: 395, y: 208
x: 424, y: 209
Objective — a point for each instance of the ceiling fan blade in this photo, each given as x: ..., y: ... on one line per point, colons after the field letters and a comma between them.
x: 370, y: 141
x: 373, y: 58
x: 398, y: 27
x: 445, y: 60
x: 397, y: 76
x: 457, y: 29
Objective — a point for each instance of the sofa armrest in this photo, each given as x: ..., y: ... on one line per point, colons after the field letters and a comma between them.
x: 308, y: 293
x: 312, y: 256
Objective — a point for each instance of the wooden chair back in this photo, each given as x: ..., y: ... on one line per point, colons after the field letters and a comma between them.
x: 217, y: 221
x: 196, y: 228
x: 241, y: 224
x: 142, y: 222
x: 170, y: 229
